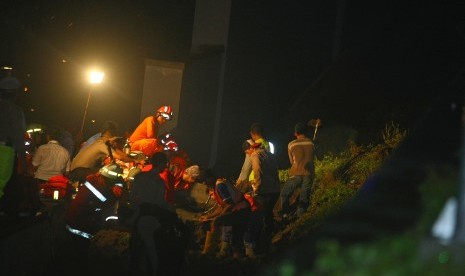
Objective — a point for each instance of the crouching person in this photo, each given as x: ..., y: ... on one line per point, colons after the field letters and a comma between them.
x: 233, y: 210
x: 94, y: 202
x: 152, y: 212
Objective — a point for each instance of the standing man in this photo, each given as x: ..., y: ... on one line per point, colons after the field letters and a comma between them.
x: 265, y: 185
x: 144, y: 137
x: 12, y: 131
x: 51, y: 159
x: 302, y: 171
x: 257, y: 135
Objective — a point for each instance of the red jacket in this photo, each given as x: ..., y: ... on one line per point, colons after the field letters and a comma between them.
x: 178, y: 163
x: 168, y: 178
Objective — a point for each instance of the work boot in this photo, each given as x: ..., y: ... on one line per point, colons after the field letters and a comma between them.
x: 225, y: 249
x: 250, y: 252
x: 211, y: 243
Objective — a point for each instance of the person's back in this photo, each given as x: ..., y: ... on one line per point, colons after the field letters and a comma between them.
x: 265, y: 178
x: 301, y: 155
x: 92, y: 156
x: 149, y: 187
x: 51, y: 159
x: 302, y: 171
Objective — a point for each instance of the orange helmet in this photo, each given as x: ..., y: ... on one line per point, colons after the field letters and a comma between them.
x: 166, y: 111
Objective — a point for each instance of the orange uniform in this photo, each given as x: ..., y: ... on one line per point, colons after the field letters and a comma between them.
x: 144, y: 137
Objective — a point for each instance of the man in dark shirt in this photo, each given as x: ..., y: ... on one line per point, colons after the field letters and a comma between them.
x: 12, y: 130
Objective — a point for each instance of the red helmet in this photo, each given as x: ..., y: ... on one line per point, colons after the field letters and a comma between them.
x: 171, y: 145
x: 166, y: 111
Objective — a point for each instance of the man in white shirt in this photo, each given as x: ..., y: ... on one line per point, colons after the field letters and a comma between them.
x: 51, y: 159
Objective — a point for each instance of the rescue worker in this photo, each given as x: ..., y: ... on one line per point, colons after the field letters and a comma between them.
x: 145, y: 136
x: 233, y: 210
x: 265, y: 185
x: 178, y: 176
x: 246, y: 175
x: 91, y: 159
x: 95, y: 201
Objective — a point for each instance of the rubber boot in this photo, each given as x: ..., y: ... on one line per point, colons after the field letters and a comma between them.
x: 250, y: 252
x: 211, y: 243
x: 225, y: 249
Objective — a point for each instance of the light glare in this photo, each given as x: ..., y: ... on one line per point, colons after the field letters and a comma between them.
x: 96, y: 77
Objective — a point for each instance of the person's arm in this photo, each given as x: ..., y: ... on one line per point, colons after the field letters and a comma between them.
x: 245, y: 171
x: 119, y: 154
x: 216, y: 212
x: 257, y: 172
x: 150, y: 126
x: 37, y: 159
x: 289, y: 153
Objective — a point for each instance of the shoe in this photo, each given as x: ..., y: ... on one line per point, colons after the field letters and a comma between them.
x: 250, y: 252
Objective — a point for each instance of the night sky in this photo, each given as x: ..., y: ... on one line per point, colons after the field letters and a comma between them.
x: 376, y: 61
x: 52, y: 44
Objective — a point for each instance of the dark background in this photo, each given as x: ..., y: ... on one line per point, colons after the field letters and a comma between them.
x: 355, y: 64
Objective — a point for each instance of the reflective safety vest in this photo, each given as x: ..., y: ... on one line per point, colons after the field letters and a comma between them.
x: 96, y: 192
x: 83, y: 215
x: 79, y: 232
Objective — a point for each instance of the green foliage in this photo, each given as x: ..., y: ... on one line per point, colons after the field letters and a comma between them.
x: 396, y: 258
x: 392, y: 255
x: 339, y: 177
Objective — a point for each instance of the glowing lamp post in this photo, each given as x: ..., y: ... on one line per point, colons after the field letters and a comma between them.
x: 95, y: 78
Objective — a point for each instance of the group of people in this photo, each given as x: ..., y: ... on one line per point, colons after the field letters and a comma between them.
x: 244, y: 217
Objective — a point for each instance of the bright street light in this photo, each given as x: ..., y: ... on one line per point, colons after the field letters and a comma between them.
x: 95, y: 78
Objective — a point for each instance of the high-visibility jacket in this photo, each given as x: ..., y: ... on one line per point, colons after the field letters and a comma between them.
x: 84, y: 214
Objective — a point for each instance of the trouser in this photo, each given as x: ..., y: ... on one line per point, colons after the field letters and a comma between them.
x: 254, y: 227
x: 267, y: 201
x: 292, y: 183
x: 148, y: 146
x: 238, y: 220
